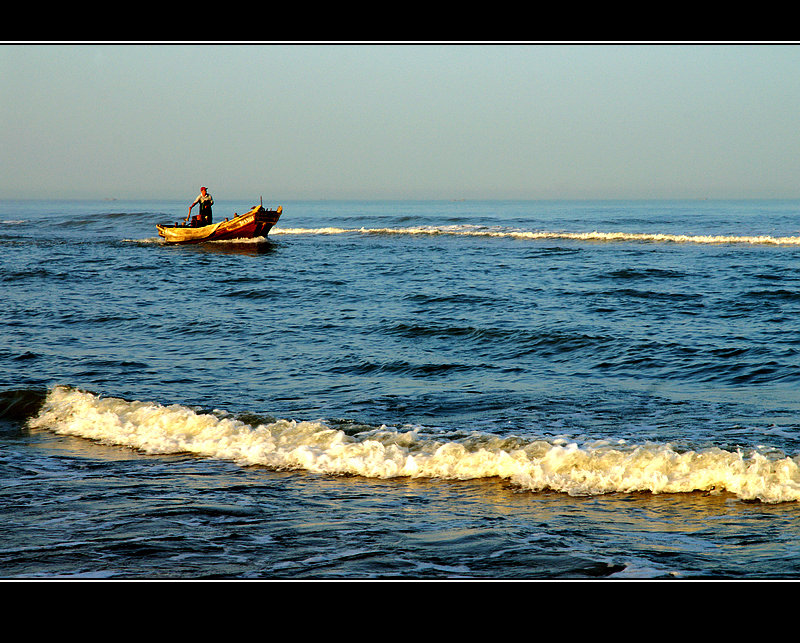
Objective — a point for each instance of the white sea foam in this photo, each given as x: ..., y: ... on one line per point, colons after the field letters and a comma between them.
x: 479, y: 231
x: 157, y: 240
x: 387, y: 453
x: 313, y: 446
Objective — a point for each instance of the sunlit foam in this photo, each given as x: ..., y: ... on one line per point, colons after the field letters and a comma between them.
x: 478, y: 231
x: 386, y: 452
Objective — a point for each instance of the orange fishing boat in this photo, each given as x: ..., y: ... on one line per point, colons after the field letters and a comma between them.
x: 253, y: 224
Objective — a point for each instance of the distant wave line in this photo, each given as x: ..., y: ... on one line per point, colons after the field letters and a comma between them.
x: 474, y: 231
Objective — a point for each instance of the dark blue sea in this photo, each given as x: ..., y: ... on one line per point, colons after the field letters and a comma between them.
x: 415, y: 390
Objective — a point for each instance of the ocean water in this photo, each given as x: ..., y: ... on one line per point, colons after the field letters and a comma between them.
x: 402, y: 390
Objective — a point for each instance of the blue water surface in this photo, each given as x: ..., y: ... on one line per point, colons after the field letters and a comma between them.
x: 448, y: 318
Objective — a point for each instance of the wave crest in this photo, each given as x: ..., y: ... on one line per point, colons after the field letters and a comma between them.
x: 384, y: 452
x: 480, y: 231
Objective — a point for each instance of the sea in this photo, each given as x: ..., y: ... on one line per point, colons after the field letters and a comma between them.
x: 449, y: 390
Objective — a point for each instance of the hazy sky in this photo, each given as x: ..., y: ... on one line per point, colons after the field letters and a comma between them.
x: 296, y: 121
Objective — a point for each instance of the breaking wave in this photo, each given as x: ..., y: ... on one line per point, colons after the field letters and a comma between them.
x: 480, y: 231
x: 383, y: 452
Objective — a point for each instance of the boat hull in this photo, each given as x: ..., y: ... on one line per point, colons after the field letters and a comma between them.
x: 251, y: 225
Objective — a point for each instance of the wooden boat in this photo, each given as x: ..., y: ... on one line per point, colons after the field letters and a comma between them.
x: 253, y: 224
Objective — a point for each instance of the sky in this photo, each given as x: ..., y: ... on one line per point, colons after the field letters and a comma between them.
x: 399, y: 121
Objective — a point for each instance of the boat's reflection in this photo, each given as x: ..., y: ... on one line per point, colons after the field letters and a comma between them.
x: 248, y: 247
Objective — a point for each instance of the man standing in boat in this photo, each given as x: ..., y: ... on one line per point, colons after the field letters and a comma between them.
x: 206, y: 201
